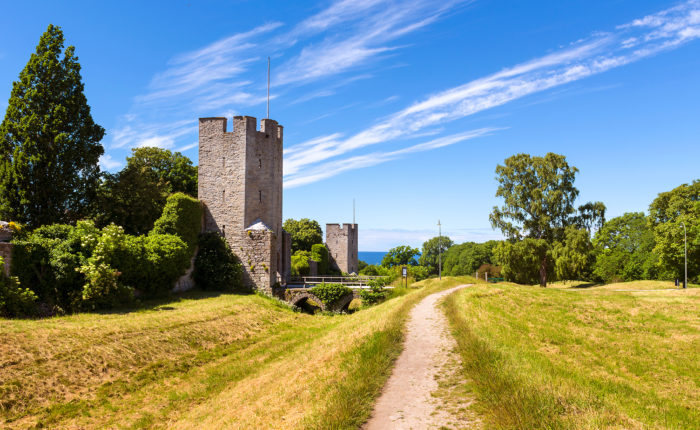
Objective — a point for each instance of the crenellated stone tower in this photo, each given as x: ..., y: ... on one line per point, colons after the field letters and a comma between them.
x: 342, y: 246
x: 240, y: 185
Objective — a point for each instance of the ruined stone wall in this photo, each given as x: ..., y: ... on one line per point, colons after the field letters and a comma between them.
x: 240, y: 185
x: 342, y: 246
x: 6, y: 254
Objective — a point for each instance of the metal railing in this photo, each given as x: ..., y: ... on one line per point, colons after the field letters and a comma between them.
x: 310, y: 281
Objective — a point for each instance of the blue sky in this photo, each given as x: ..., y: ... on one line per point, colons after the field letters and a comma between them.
x: 406, y: 106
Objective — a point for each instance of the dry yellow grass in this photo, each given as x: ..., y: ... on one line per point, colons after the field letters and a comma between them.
x: 223, y: 361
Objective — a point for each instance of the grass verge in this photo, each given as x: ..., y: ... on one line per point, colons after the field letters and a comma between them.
x: 209, y: 361
x: 588, y: 358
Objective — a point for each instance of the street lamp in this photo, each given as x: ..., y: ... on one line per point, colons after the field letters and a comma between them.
x: 685, y: 253
x: 439, y: 250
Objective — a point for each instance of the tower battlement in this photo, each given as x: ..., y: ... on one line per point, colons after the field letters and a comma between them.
x: 341, y: 241
x: 240, y: 185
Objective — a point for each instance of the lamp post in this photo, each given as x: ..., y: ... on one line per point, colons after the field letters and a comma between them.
x: 439, y: 250
x: 685, y: 254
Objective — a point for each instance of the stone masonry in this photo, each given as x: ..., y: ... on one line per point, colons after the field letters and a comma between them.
x: 240, y: 185
x: 5, y: 247
x: 342, y: 245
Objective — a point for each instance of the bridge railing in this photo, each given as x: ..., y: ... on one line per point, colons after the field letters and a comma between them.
x: 310, y: 281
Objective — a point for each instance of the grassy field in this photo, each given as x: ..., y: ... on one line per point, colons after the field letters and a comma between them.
x: 580, y: 356
x: 205, y: 361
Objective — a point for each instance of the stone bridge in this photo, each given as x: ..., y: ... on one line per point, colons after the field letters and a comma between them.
x: 297, y: 297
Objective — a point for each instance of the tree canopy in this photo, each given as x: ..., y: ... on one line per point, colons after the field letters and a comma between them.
x: 304, y: 232
x: 431, y: 249
x: 539, y: 195
x: 401, y: 256
x: 49, y: 144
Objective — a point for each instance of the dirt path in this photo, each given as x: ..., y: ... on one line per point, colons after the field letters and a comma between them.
x: 407, y: 401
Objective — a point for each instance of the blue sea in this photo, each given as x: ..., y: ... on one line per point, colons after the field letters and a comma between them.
x: 371, y: 257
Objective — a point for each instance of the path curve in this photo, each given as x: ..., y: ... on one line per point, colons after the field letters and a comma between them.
x: 406, y: 401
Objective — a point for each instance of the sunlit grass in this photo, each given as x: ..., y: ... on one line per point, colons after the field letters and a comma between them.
x: 581, y: 358
x: 210, y: 361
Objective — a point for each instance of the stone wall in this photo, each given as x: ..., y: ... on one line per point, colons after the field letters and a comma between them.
x: 342, y: 246
x: 6, y: 254
x: 240, y: 185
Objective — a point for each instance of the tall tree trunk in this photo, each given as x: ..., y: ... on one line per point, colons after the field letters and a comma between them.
x: 543, y: 272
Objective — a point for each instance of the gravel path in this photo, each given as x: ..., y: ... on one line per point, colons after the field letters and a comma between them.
x: 406, y: 401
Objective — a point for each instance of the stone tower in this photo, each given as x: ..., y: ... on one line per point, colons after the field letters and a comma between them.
x: 342, y: 245
x: 240, y: 185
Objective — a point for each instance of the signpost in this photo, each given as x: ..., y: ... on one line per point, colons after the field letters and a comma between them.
x: 404, y: 274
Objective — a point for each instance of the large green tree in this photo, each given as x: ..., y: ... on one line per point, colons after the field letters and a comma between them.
x: 466, y: 258
x: 623, y: 249
x: 49, y: 144
x: 135, y: 197
x: 431, y: 252
x: 539, y: 195
x: 667, y: 215
x: 305, y: 233
x: 400, y: 256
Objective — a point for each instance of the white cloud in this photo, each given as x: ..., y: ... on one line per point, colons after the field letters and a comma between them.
x: 108, y: 163
x: 659, y: 32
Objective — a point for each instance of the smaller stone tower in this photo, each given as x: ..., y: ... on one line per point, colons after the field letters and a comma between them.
x: 342, y: 244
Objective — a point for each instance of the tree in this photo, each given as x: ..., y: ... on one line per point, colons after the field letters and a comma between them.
x: 135, y: 197
x: 539, y: 197
x: 623, y: 249
x: 173, y: 171
x: 666, y: 213
x: 591, y: 216
x: 521, y: 261
x: 431, y: 249
x: 400, y: 256
x: 466, y: 258
x: 305, y: 233
x: 49, y: 144
x: 572, y: 256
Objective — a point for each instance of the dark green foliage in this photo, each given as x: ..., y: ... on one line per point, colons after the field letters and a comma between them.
x: 400, y: 256
x: 15, y: 301
x: 431, y: 249
x: 135, y: 197
x: 466, y: 258
x: 374, y: 270
x: 623, y: 249
x: 49, y: 143
x: 300, y: 263
x: 182, y: 216
x: 521, y: 261
x: 666, y: 213
x: 539, y: 195
x: 361, y: 265
x: 47, y: 261
x: 319, y: 253
x: 305, y: 233
x: 216, y: 267
x: 330, y: 293
x: 375, y: 294
x: 573, y: 256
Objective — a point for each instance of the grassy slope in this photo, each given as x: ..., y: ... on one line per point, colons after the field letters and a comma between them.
x: 208, y: 361
x: 581, y: 358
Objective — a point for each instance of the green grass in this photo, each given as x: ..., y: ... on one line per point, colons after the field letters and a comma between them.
x: 581, y: 358
x: 206, y: 361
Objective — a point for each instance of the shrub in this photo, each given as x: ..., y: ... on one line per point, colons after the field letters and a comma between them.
x: 46, y: 261
x: 15, y: 301
x: 216, y: 267
x: 330, y: 293
x: 319, y: 253
x: 101, y: 289
x: 300, y: 263
x: 182, y: 216
x: 375, y: 294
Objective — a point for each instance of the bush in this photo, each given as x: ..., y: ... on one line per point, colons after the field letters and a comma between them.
x: 46, y: 261
x: 300, y: 263
x: 15, y: 301
x: 182, y: 216
x: 101, y: 289
x: 330, y: 293
x: 216, y: 267
x: 375, y: 294
x: 319, y: 253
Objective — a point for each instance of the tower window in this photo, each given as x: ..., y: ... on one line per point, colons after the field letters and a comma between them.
x: 260, y: 163
x: 260, y: 195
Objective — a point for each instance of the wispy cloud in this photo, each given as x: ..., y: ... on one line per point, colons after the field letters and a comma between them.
x: 108, y: 163
x: 628, y: 43
x: 230, y: 71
